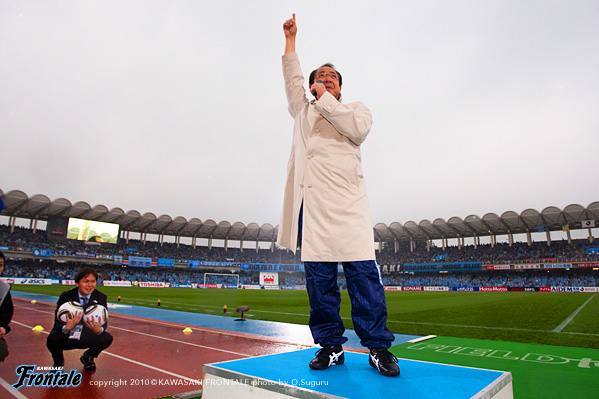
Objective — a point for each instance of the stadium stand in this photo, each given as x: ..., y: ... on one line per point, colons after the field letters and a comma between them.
x: 24, y: 240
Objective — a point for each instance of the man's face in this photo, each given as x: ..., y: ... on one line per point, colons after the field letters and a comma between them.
x: 330, y: 79
x: 86, y: 285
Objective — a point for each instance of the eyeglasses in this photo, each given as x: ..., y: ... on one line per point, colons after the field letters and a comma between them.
x: 322, y: 74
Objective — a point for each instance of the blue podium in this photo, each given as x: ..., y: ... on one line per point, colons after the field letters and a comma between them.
x: 287, y: 375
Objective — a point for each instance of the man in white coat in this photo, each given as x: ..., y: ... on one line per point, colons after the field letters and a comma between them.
x: 326, y: 212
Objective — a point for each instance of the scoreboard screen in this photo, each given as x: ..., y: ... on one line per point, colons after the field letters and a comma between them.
x: 91, y: 230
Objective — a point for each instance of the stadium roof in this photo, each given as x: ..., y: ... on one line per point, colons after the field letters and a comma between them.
x: 40, y: 207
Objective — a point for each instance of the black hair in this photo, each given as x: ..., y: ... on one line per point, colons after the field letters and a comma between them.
x: 81, y: 273
x: 328, y: 64
x: 2, y: 255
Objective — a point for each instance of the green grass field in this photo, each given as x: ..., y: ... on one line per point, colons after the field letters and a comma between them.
x: 507, y: 316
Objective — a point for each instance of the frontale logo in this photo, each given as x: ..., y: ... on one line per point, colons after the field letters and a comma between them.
x: 54, y: 378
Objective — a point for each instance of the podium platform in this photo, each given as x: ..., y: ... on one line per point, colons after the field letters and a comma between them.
x: 287, y: 375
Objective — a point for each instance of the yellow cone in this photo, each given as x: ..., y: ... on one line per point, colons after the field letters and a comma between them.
x: 187, y: 330
x: 34, y: 301
x: 38, y: 328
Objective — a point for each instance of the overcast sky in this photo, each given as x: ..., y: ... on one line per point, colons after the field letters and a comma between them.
x: 178, y: 107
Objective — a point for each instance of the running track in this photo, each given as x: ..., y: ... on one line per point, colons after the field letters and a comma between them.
x: 148, y: 358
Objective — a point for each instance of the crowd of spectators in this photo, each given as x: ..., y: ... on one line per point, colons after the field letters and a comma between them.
x: 25, y: 239
x: 66, y: 271
x: 500, y: 253
x: 525, y: 278
x: 541, y: 278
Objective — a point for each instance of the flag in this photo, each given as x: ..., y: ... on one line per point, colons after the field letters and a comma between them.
x: 2, y: 206
x: 541, y: 229
x: 565, y: 227
x: 588, y: 223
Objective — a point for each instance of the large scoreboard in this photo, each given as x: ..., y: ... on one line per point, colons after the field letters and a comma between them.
x: 60, y: 228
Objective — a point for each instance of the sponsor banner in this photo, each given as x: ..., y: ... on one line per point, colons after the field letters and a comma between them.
x: 442, y: 266
x: 528, y: 266
x: 272, y: 267
x: 394, y: 288
x: 179, y: 285
x: 386, y: 269
x: 250, y: 287
x: 166, y: 262
x: 67, y: 282
x: 271, y: 287
x: 558, y: 265
x: 412, y: 289
x: 588, y: 264
x: 137, y: 261
x: 117, y: 260
x: 524, y: 289
x: 498, y: 267
x: 267, y: 279
x: 573, y: 289
x: 436, y: 289
x: 29, y: 281
x: 292, y: 287
x: 195, y: 264
x: 208, y: 285
x: 230, y: 286
x: 493, y: 289
x: 4, y: 249
x: 45, y: 253
x: 422, y: 267
x: 108, y: 283
x: 544, y: 289
x: 157, y: 284
x: 464, y: 289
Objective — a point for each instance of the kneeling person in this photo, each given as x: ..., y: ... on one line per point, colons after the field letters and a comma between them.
x: 77, y: 333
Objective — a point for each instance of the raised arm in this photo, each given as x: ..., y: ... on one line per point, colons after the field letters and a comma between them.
x: 290, y: 30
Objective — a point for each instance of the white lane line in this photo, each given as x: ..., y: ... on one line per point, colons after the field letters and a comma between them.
x: 194, y: 380
x: 197, y: 381
x: 181, y: 342
x: 11, y: 390
x: 488, y: 328
x: 254, y: 337
x: 573, y: 315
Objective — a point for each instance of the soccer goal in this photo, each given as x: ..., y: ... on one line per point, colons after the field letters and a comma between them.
x: 221, y: 278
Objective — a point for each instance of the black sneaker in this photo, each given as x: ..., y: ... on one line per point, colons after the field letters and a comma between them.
x: 326, y: 357
x: 58, y: 363
x: 384, y: 361
x: 88, y: 361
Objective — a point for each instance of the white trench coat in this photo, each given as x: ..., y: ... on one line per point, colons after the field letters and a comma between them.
x: 324, y: 173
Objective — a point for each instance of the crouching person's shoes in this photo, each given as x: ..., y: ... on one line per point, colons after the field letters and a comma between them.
x: 384, y: 361
x: 88, y: 361
x: 326, y: 357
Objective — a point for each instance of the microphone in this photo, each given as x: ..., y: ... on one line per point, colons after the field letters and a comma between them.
x: 314, y: 91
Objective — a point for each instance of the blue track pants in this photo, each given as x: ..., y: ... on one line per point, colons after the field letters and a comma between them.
x: 367, y: 295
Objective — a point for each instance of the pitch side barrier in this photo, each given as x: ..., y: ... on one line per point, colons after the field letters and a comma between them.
x: 496, y: 289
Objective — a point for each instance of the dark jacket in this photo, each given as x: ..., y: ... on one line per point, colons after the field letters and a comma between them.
x: 73, y: 295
